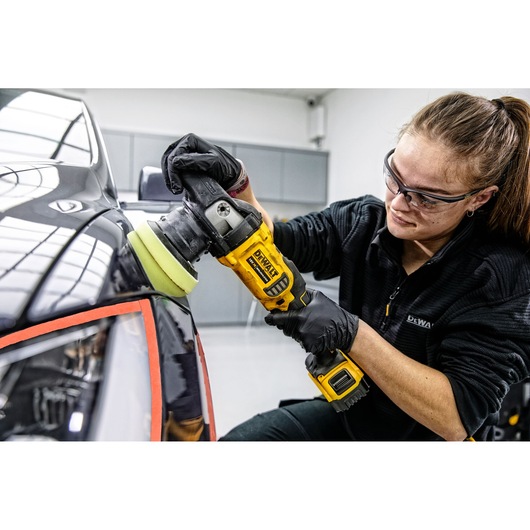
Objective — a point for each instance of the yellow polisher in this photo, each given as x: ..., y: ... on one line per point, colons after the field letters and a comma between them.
x: 234, y: 233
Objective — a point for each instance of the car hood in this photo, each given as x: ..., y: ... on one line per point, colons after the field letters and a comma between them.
x: 44, y: 209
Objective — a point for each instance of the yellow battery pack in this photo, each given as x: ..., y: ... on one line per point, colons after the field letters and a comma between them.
x: 341, y: 382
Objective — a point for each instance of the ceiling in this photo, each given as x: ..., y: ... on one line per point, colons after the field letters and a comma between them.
x: 297, y: 93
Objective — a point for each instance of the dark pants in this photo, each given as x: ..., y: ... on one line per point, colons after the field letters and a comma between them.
x: 313, y: 420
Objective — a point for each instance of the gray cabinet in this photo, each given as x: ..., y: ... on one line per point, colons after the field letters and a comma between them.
x: 278, y: 174
x: 305, y: 177
x: 286, y: 175
x: 265, y: 168
x: 220, y: 297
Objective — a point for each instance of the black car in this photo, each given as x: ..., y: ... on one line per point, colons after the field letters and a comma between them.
x: 88, y: 349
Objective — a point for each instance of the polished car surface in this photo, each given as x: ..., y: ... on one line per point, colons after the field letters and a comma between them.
x: 88, y: 350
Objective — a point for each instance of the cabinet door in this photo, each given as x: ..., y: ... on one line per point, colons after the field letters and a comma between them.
x: 217, y: 297
x: 119, y: 147
x: 264, y: 166
x: 305, y: 177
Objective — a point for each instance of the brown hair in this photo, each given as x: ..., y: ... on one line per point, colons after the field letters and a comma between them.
x: 493, y: 139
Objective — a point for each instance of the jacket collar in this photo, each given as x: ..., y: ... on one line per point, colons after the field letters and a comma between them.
x: 393, y: 246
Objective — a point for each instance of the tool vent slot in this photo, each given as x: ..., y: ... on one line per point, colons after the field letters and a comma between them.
x: 341, y: 381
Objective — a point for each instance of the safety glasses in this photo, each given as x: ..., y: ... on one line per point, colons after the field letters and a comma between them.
x: 421, y: 200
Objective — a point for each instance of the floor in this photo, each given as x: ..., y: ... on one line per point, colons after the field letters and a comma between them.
x: 251, y: 369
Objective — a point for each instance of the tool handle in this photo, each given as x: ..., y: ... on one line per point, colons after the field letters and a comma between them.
x: 202, y: 189
x: 319, y: 364
x: 299, y: 290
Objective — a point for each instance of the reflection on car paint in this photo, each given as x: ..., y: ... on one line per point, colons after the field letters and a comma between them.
x: 180, y: 375
x: 59, y: 133
x: 23, y: 243
x: 20, y: 183
x: 77, y: 278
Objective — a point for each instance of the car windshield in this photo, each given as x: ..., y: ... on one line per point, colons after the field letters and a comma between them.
x: 40, y: 126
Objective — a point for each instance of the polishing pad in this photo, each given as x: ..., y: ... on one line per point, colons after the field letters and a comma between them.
x: 158, y: 278
x: 163, y: 269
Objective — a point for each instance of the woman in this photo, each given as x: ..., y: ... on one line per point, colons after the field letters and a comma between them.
x: 434, y: 296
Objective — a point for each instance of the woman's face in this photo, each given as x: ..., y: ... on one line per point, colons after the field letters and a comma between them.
x: 424, y: 165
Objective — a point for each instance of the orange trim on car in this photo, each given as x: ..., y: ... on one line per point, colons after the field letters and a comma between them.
x: 154, y: 370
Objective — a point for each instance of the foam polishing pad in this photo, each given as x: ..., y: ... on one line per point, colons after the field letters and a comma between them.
x: 164, y: 270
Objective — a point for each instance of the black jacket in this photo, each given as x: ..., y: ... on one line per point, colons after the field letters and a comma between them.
x: 466, y: 312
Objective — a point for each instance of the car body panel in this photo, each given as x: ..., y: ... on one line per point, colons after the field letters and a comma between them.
x: 88, y: 350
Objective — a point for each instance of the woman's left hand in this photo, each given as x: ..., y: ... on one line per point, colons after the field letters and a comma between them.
x: 321, y: 326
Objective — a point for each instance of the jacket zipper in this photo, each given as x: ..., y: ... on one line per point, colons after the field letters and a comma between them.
x: 393, y: 296
x: 390, y: 300
x: 389, y: 304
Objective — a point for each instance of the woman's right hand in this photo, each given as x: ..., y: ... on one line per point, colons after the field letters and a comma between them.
x: 191, y: 154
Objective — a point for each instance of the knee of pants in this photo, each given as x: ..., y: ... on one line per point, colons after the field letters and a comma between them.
x: 275, y: 425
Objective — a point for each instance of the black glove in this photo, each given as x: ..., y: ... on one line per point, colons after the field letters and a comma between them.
x: 320, y: 327
x: 192, y: 154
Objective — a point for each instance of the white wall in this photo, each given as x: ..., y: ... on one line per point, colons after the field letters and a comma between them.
x: 362, y: 126
x: 222, y: 114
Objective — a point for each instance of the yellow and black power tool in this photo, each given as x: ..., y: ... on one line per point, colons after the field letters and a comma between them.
x: 233, y: 231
